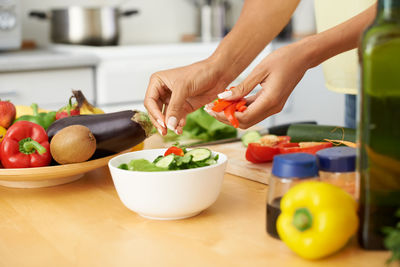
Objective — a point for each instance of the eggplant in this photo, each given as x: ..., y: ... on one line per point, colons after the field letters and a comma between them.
x: 114, y: 132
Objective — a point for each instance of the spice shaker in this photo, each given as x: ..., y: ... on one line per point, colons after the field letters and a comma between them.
x: 337, y: 166
x: 287, y: 171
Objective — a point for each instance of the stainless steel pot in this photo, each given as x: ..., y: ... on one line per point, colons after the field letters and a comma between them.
x: 97, y: 26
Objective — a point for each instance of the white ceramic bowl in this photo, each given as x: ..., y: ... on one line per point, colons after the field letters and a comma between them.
x: 167, y: 195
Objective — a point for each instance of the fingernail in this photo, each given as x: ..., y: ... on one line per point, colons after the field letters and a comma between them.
x: 225, y: 94
x: 160, y: 131
x: 172, y: 122
x: 211, y: 112
x: 161, y: 123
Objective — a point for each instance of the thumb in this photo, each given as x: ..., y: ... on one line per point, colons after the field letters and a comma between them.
x: 176, y: 109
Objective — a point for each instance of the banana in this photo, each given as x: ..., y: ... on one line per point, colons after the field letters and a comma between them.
x: 88, y: 109
x: 85, y: 107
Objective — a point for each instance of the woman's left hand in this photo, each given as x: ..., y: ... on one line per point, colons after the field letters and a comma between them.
x: 278, y: 74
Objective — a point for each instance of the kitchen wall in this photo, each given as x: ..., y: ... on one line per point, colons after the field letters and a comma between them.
x: 159, y: 21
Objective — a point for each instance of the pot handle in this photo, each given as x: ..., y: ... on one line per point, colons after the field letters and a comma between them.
x: 128, y: 13
x: 38, y: 14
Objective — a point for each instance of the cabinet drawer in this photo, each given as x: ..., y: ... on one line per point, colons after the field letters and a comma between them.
x: 50, y: 89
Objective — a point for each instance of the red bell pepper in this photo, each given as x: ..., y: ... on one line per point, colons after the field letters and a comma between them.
x: 242, y: 108
x: 25, y: 145
x: 266, y: 149
x: 174, y: 150
x: 220, y: 105
x: 230, y: 115
x: 258, y: 153
x: 230, y: 107
x: 68, y: 110
x: 241, y: 103
x: 303, y: 147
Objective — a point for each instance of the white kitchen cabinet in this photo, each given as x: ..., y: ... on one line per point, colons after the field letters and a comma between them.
x: 126, y: 80
x: 50, y: 89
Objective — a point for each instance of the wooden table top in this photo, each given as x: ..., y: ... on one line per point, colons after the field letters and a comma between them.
x: 84, y: 223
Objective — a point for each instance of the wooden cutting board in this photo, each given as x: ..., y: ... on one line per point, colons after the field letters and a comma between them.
x: 238, y: 165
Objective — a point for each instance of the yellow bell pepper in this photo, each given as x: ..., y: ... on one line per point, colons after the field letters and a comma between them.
x: 316, y: 219
x: 2, y: 133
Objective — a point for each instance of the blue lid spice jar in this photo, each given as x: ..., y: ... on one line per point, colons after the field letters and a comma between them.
x: 287, y: 171
x: 337, y: 166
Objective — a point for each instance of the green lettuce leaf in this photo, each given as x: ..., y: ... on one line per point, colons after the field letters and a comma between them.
x: 202, y: 126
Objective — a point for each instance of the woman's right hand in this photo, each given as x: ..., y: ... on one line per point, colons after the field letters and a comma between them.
x: 174, y: 93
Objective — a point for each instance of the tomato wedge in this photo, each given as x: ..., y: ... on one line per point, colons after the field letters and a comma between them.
x: 303, y: 147
x: 174, y: 150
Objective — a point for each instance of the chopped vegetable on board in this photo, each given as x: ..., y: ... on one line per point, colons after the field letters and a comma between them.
x: 265, y: 149
x: 303, y: 147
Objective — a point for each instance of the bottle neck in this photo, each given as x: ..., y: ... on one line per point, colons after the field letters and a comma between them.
x: 388, y: 11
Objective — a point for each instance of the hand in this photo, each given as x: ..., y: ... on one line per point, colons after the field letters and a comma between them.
x: 278, y: 74
x: 174, y: 93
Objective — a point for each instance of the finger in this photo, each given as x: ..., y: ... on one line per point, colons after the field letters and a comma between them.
x: 251, y: 98
x: 158, y: 122
x: 177, y: 109
x: 161, y: 130
x: 269, y: 102
x: 245, y: 87
x: 221, y: 117
x: 181, y: 124
x: 153, y: 104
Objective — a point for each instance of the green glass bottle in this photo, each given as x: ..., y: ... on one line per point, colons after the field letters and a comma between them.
x: 379, y: 125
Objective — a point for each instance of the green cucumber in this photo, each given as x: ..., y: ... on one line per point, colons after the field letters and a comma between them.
x: 199, y: 154
x: 165, y: 162
x: 250, y: 137
x: 318, y: 133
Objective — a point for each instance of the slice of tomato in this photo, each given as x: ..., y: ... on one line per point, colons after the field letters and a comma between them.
x: 261, y: 153
x: 304, y: 147
x: 174, y: 150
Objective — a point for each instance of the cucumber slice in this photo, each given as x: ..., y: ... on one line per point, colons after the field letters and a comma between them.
x: 250, y: 137
x: 210, y: 162
x: 157, y: 159
x: 199, y: 154
x: 165, y: 162
x: 187, y: 158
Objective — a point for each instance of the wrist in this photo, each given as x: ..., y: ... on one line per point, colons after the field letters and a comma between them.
x: 312, y: 50
x: 222, y: 67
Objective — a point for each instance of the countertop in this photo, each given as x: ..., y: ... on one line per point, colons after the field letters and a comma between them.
x: 84, y: 223
x: 43, y: 59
